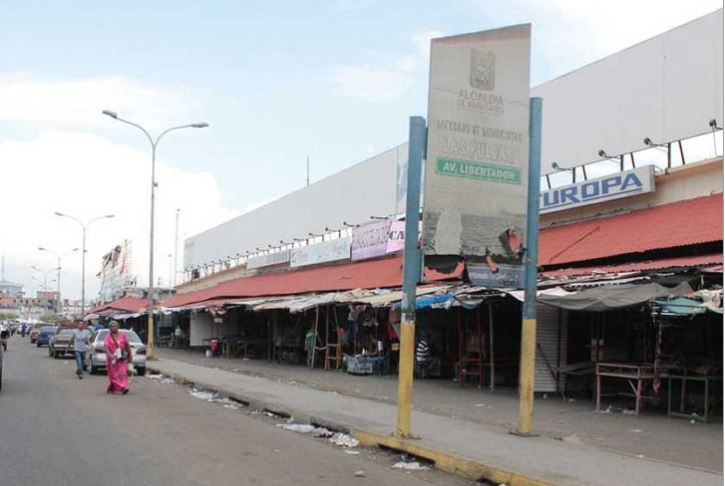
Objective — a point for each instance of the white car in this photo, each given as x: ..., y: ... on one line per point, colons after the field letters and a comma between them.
x: 96, y: 354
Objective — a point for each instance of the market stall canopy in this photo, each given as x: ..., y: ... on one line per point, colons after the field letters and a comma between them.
x: 625, y: 268
x: 605, y: 298
x: 126, y: 304
x: 690, y: 222
x: 373, y: 274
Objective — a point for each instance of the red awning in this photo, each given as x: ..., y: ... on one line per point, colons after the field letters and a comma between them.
x: 127, y: 304
x: 691, y: 261
x: 690, y: 222
x: 371, y: 274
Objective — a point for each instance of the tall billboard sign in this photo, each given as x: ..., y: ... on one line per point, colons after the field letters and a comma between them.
x: 477, y: 156
x: 116, y: 271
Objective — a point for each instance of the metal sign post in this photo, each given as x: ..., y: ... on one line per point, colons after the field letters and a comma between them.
x: 411, y: 276
x: 528, y: 324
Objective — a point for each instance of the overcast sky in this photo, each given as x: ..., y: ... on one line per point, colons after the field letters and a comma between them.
x: 277, y: 81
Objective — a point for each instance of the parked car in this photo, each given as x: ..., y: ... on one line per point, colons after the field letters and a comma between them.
x: 61, y: 344
x: 3, y: 335
x: 96, y: 355
x: 44, y: 335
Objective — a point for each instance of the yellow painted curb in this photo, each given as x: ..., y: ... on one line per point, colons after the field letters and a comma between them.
x: 449, y: 463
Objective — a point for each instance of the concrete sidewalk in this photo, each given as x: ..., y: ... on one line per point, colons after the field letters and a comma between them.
x: 472, y: 449
x: 652, y: 434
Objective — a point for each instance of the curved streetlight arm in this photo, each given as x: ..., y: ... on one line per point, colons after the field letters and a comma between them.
x: 155, y: 142
x: 83, y: 225
x: 128, y: 122
x: 97, y: 219
x: 63, y: 215
x: 68, y: 252
x: 190, y: 125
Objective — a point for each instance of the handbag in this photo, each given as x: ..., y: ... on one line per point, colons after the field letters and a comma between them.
x: 119, y: 353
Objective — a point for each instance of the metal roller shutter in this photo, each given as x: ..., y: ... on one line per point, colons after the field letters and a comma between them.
x: 551, y: 339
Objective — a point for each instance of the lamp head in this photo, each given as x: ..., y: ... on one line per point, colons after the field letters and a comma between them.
x: 110, y: 113
x: 648, y: 141
x: 200, y: 125
x: 59, y: 214
x: 602, y: 153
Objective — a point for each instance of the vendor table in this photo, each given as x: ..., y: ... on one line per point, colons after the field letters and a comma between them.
x: 636, y: 374
x: 704, y: 379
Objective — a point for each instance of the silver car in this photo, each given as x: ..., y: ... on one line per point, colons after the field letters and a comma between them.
x: 96, y: 354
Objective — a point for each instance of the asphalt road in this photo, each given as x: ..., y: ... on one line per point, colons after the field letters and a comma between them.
x: 58, y: 430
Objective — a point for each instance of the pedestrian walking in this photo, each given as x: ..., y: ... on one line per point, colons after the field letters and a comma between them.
x: 118, y: 355
x: 80, y: 339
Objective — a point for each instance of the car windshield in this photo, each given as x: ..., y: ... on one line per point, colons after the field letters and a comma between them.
x: 130, y: 335
x: 47, y: 329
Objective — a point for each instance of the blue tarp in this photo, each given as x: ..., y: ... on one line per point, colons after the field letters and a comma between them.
x: 682, y: 306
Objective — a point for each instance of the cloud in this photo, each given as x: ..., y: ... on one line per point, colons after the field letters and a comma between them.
x: 64, y: 166
x: 422, y: 41
x: 386, y: 82
x: 370, y: 83
x: 79, y: 102
x: 599, y: 28
x: 86, y: 175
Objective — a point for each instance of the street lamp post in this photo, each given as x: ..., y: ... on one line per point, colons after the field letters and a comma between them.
x: 59, y: 256
x: 84, y: 226
x: 44, y: 273
x: 154, y: 143
x: 45, y: 276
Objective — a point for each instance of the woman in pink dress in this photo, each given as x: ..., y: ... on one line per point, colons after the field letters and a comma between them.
x: 118, y: 355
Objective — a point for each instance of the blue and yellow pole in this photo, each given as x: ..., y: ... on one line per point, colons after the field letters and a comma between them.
x: 528, y: 325
x: 411, y: 275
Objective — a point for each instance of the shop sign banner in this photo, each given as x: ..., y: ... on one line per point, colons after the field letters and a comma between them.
x: 614, y: 186
x: 396, y: 236
x: 326, y: 251
x: 478, y: 146
x: 370, y: 240
x: 504, y: 276
x: 268, y: 259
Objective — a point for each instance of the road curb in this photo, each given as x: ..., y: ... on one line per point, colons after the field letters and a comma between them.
x: 444, y: 461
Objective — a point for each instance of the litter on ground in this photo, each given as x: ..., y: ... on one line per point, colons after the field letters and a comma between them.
x: 322, y: 432
x: 299, y: 428
x: 344, y: 440
x: 410, y: 466
x: 202, y: 394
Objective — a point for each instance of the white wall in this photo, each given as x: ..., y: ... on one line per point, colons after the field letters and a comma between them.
x: 353, y: 195
x: 666, y: 88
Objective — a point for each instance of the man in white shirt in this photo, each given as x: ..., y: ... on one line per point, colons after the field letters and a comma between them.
x: 80, y: 339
